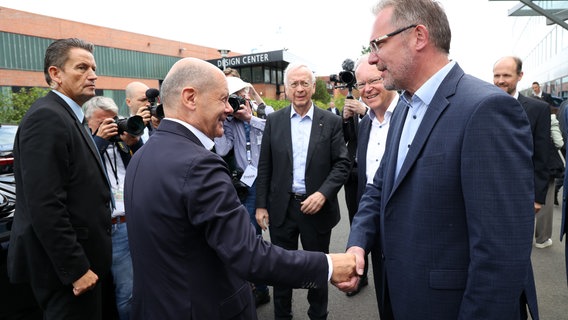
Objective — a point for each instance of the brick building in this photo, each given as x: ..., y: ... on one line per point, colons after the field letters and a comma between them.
x: 121, y: 56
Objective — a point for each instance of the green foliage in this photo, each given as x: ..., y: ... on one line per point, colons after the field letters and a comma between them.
x: 365, y: 49
x: 280, y: 104
x: 321, y: 93
x: 13, y: 106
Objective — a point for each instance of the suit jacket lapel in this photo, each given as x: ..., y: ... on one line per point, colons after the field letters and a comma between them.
x: 283, y: 128
x: 315, y: 133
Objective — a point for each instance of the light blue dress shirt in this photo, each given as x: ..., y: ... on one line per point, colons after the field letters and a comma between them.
x: 418, y: 104
x: 301, y: 128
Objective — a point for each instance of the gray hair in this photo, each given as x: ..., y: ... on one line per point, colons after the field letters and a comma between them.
x: 99, y: 102
x: 294, y: 66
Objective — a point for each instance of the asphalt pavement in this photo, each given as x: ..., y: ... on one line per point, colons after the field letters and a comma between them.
x: 548, y: 264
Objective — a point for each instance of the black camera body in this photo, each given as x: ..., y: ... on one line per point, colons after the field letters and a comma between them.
x: 345, y: 77
x: 240, y: 187
x: 133, y: 126
x: 235, y: 101
x: 156, y: 109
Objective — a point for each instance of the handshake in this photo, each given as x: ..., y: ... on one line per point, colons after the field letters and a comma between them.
x: 347, y: 268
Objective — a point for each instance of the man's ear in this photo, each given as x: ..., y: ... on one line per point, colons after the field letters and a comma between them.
x: 55, y: 75
x: 189, y: 97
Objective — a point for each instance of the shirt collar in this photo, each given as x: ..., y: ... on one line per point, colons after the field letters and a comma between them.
x: 390, y: 109
x: 427, y: 91
x: 205, y: 141
x: 76, y: 108
x: 309, y: 114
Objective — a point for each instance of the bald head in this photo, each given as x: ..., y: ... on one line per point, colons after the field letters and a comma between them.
x: 195, y: 91
x: 136, y: 96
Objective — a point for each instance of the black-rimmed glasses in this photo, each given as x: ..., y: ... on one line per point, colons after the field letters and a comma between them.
x: 374, y: 44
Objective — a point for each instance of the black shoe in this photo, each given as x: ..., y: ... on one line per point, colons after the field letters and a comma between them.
x: 363, y: 282
x: 261, y: 297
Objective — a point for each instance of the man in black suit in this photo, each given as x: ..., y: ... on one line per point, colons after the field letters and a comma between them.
x: 303, y: 164
x: 507, y: 72
x: 539, y: 94
x: 60, y: 241
x: 193, y: 246
x: 370, y: 138
x: 333, y: 109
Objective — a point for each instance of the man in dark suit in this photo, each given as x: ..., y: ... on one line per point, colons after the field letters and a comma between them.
x: 564, y: 225
x: 303, y: 164
x: 333, y: 109
x: 60, y: 241
x: 507, y: 72
x: 371, y: 136
x: 451, y: 206
x: 539, y: 94
x: 193, y: 246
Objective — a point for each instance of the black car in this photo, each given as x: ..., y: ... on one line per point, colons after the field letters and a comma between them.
x: 18, y: 301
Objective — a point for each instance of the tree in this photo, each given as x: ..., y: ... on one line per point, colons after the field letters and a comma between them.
x: 13, y: 106
x: 321, y: 93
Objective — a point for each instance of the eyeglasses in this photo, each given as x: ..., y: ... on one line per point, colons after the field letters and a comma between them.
x: 304, y: 84
x: 371, y: 82
x: 374, y: 44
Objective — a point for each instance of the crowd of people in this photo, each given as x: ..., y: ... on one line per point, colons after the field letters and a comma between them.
x: 448, y: 180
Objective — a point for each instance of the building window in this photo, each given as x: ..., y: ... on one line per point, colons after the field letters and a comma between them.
x: 257, y: 75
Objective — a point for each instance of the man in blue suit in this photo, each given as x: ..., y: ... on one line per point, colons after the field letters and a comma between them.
x: 451, y: 206
x: 192, y: 244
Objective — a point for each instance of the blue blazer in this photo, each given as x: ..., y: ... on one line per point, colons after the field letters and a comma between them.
x: 192, y: 244
x: 564, y: 225
x: 456, y: 225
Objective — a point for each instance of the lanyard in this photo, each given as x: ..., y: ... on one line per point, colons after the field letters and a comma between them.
x: 247, y: 134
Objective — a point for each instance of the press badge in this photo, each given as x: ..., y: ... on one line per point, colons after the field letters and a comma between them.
x: 249, y: 175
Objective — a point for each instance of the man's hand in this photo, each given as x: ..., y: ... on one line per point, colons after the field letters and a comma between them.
x: 107, y: 129
x: 244, y: 113
x: 353, y: 107
x: 313, y: 203
x: 262, y: 218
x: 85, y: 283
x: 351, y: 283
x: 145, y: 114
x: 129, y: 139
x: 537, y: 207
x: 344, y: 273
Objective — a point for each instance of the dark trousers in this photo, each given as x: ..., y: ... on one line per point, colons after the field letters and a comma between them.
x: 62, y: 304
x: 286, y: 236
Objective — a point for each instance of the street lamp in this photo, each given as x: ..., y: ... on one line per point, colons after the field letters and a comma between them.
x: 224, y: 53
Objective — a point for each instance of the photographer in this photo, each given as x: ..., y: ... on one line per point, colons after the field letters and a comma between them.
x: 116, y: 147
x: 138, y: 104
x: 240, y: 146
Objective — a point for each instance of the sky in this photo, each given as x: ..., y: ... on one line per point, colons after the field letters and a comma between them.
x: 322, y: 32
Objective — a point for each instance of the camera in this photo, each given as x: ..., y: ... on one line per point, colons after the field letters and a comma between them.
x: 346, y: 77
x: 156, y: 110
x: 133, y: 126
x: 235, y: 101
x: 240, y: 187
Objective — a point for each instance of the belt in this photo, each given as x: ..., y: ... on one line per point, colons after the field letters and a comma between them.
x: 298, y: 196
x: 118, y: 219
